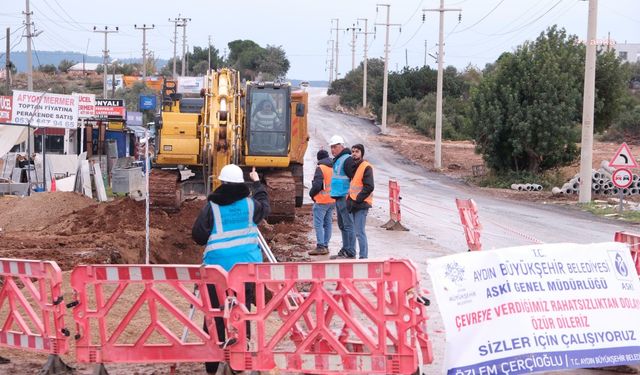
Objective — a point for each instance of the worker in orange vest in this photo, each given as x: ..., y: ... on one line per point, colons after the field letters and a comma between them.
x: 360, y: 198
x: 323, y: 204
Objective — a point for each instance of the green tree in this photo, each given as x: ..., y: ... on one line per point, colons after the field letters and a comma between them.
x: 64, y: 65
x: 245, y: 55
x: 273, y: 62
x: 528, y: 106
x: 48, y: 68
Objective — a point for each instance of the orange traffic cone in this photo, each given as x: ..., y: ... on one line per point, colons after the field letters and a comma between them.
x: 53, y: 184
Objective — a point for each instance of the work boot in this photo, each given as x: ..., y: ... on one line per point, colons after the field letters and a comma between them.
x: 342, y: 254
x: 319, y: 250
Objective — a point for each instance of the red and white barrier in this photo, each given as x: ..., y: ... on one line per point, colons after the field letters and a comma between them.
x: 330, y: 317
x: 470, y: 222
x: 158, y: 297
x: 395, y: 214
x: 32, y: 317
x: 633, y: 240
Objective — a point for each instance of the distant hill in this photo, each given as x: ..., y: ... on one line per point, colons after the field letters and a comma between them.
x: 54, y: 57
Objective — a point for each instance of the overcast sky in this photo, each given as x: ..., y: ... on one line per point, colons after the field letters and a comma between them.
x: 302, y: 28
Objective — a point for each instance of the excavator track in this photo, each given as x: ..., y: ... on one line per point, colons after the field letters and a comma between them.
x: 165, y: 192
x: 282, y: 196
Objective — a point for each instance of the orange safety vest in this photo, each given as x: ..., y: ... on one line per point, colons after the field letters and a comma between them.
x: 356, y: 183
x: 324, y: 196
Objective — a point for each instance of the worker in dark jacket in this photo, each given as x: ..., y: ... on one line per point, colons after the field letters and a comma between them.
x: 323, y: 204
x: 227, y: 226
x: 360, y: 198
x: 343, y: 170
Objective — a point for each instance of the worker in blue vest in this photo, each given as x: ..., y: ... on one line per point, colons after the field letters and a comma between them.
x: 343, y: 171
x: 227, y: 227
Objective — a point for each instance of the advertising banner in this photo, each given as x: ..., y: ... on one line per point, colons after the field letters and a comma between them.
x: 147, y: 102
x: 44, y: 109
x: 134, y: 118
x: 5, y: 108
x: 538, y: 308
x: 110, y: 108
x: 190, y: 85
x: 86, y: 105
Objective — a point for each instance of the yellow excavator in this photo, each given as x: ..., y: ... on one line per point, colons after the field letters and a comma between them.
x: 252, y: 124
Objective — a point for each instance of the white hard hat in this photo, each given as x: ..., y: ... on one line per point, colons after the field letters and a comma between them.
x: 336, y: 140
x: 231, y: 173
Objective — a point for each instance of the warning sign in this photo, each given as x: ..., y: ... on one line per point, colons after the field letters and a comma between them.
x: 623, y: 158
x: 622, y: 178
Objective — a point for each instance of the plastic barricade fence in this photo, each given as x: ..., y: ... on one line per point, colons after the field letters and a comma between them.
x: 31, y: 308
x: 395, y: 214
x: 146, y: 313
x: 470, y: 222
x: 329, y: 318
x: 633, y: 240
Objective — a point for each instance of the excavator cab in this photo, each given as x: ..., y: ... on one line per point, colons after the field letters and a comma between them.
x: 268, y: 119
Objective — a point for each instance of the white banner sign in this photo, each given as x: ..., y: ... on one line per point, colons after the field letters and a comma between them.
x: 190, y: 85
x: 45, y: 110
x: 86, y: 105
x: 538, y: 308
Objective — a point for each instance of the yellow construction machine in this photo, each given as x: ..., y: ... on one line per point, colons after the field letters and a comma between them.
x: 253, y: 124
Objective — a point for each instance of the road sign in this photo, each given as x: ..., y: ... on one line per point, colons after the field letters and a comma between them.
x: 623, y: 158
x: 622, y: 178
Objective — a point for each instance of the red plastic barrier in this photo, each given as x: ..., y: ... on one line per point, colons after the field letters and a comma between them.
x: 330, y: 317
x: 31, y: 309
x: 633, y: 240
x: 137, y: 313
x: 395, y: 214
x: 470, y: 222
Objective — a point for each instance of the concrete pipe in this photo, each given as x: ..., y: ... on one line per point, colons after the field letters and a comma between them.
x: 634, y: 191
x: 537, y: 187
x: 556, y: 191
x: 575, y: 186
x: 625, y: 191
x: 610, y: 185
x: 605, y: 165
x: 601, y: 181
x: 596, y: 175
x: 515, y: 186
x: 606, y: 191
x: 567, y: 191
x: 597, y: 192
x: 636, y: 178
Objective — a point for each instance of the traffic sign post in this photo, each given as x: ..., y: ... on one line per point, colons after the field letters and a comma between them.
x: 622, y: 179
x: 623, y: 158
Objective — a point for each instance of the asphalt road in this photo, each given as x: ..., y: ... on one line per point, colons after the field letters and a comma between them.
x: 429, y: 211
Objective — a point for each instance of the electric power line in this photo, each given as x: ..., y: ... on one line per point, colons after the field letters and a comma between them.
x: 481, y: 19
x: 529, y: 23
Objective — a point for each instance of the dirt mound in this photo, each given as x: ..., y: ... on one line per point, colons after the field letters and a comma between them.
x: 39, y: 210
x: 72, y: 229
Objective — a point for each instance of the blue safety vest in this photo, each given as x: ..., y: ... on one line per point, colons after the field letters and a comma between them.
x: 339, y: 180
x: 234, y: 235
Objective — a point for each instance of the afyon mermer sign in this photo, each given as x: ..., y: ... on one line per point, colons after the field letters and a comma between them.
x: 44, y: 109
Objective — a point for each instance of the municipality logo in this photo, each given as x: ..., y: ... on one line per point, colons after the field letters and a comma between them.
x: 454, y: 272
x: 621, y: 266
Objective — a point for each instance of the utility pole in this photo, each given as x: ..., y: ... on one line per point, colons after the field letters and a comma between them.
x: 175, y: 42
x: 7, y: 63
x: 438, y: 150
x: 337, y: 43
x: 354, y: 30
x: 331, y: 61
x: 406, y: 58
x: 183, y: 24
x: 144, y: 29
x: 28, y: 25
x: 105, y: 57
x: 385, y: 80
x: 425, y: 53
x: 588, y: 103
x: 366, y: 32
x: 209, y: 52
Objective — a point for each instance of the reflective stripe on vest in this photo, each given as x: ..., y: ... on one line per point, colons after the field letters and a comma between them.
x: 234, y: 235
x: 356, y: 183
x: 339, y: 180
x: 324, y: 196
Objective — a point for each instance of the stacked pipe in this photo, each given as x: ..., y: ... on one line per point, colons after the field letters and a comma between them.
x: 601, y: 183
x: 526, y: 187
